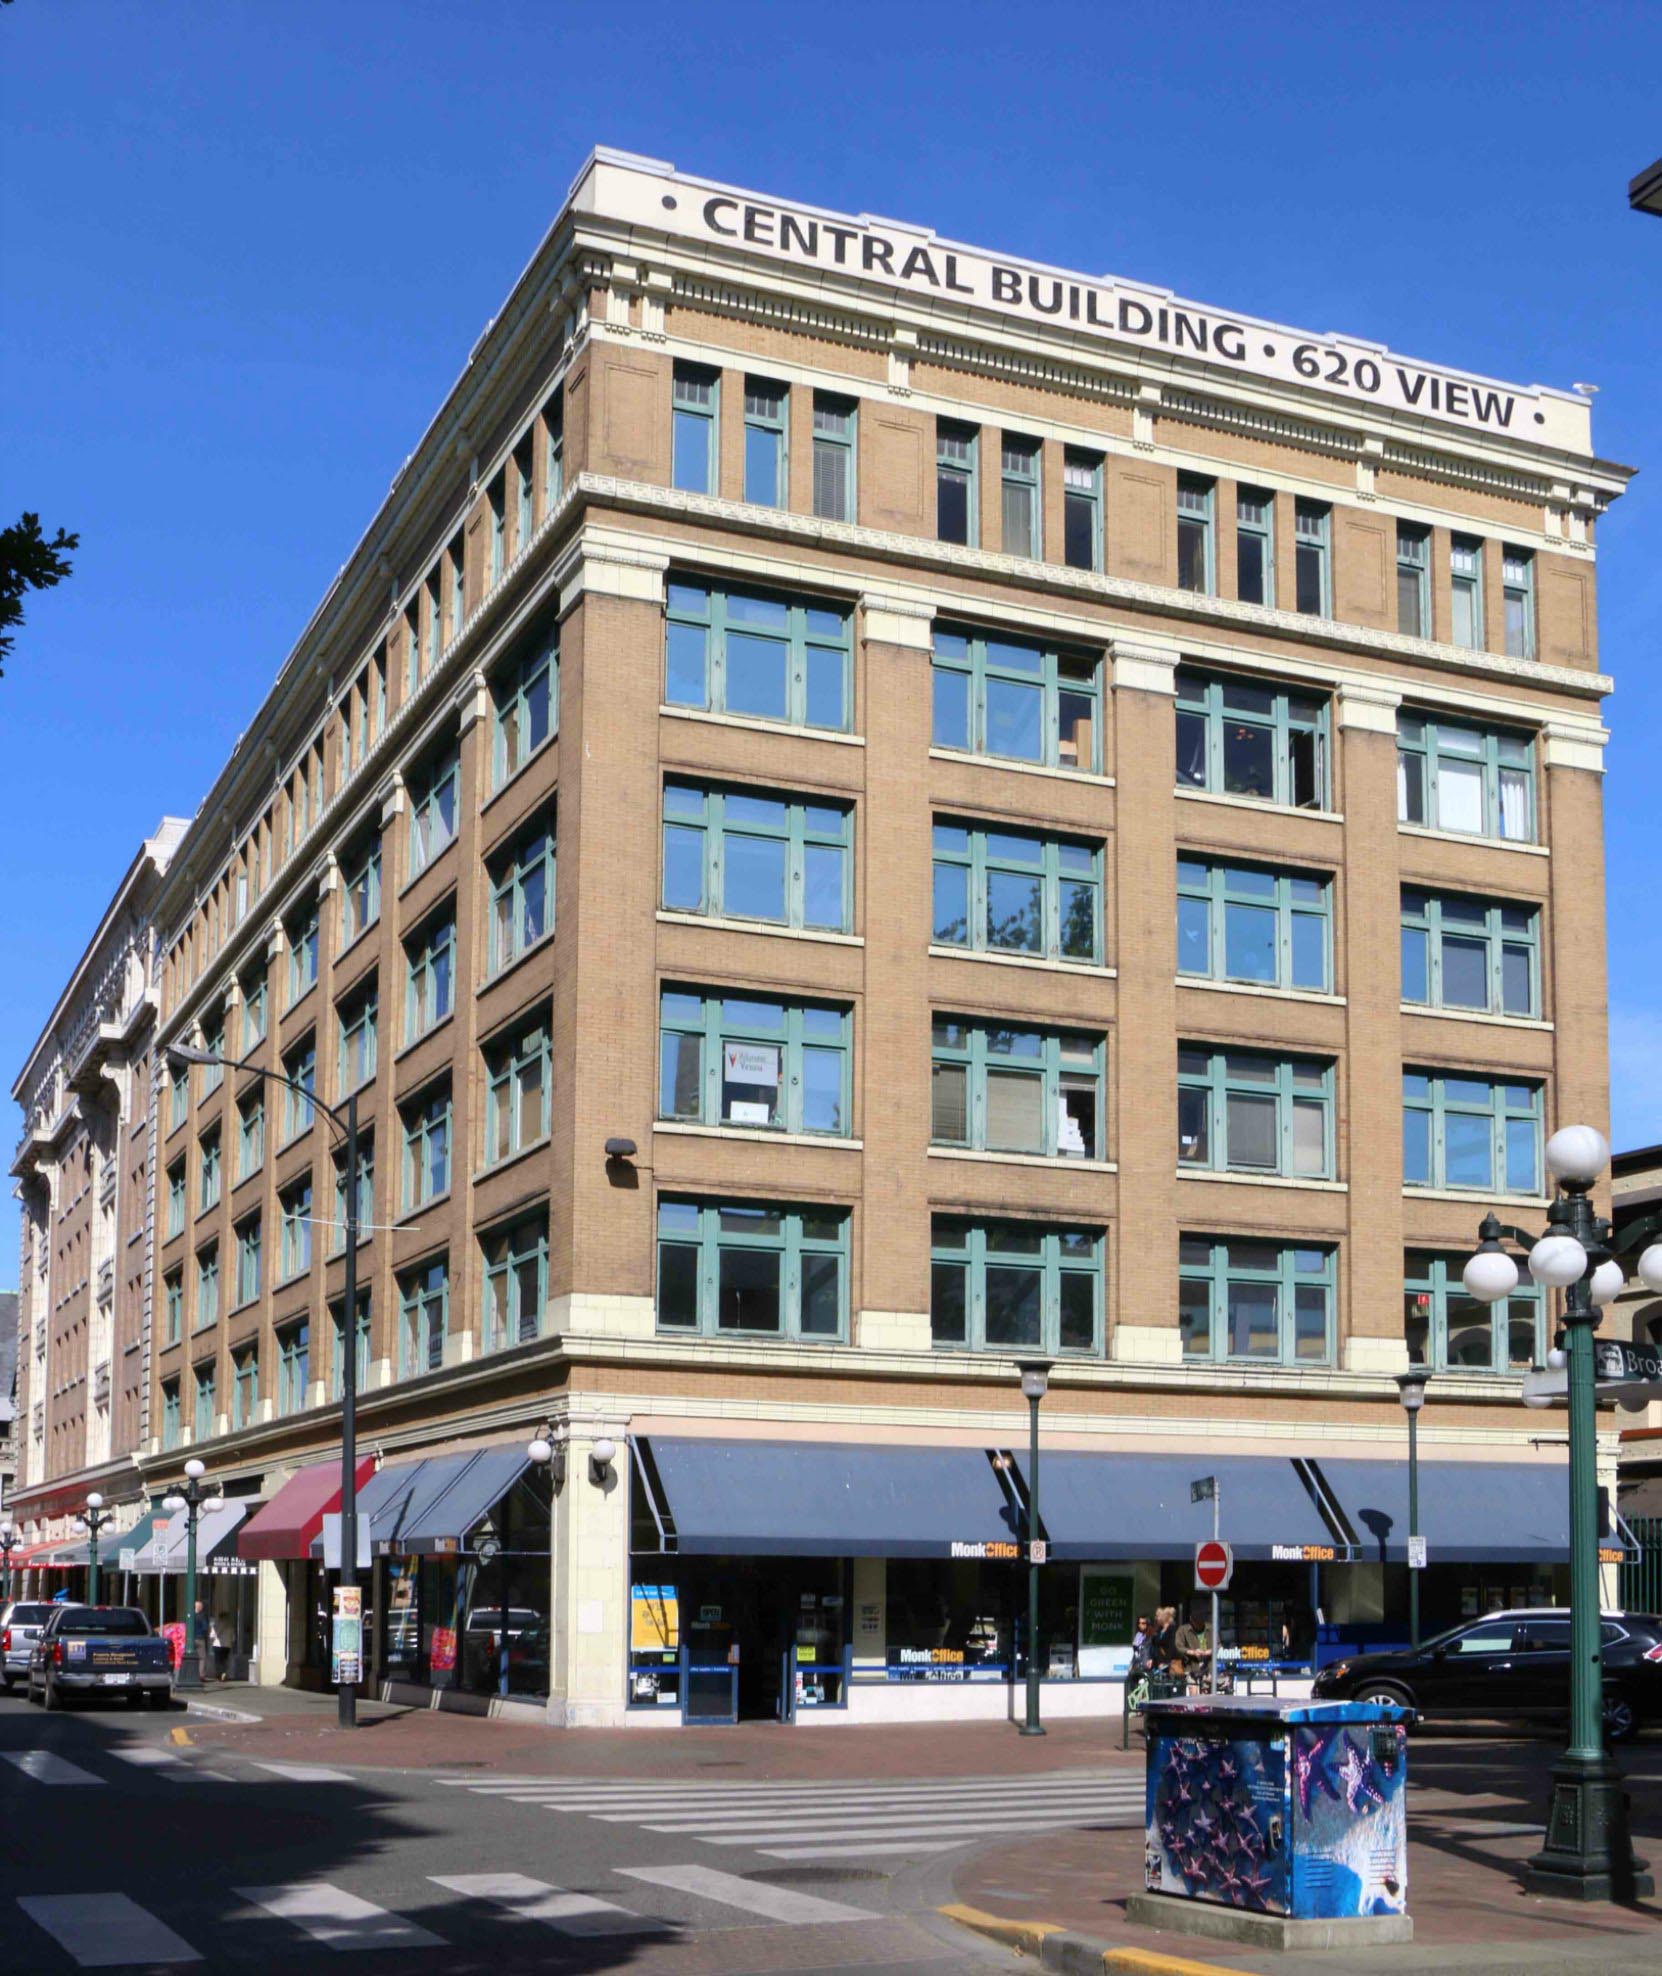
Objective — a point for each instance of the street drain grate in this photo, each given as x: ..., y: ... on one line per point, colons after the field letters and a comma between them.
x: 817, y: 1876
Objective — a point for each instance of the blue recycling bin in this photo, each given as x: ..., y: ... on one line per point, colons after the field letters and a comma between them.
x: 1279, y: 1807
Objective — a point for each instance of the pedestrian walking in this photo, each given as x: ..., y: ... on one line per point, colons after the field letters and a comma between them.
x: 1190, y: 1646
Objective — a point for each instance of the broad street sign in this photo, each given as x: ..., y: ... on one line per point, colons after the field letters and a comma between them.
x: 1628, y: 1374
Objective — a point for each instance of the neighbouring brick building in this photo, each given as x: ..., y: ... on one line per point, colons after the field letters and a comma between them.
x: 1078, y: 827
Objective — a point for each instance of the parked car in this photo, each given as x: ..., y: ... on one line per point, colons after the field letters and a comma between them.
x: 100, y: 1650
x: 20, y: 1624
x: 1511, y: 1665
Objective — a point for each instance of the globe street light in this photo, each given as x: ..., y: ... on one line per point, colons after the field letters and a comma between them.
x: 193, y: 1498
x: 92, y: 1520
x: 8, y: 1537
x: 1411, y: 1387
x: 1035, y: 1383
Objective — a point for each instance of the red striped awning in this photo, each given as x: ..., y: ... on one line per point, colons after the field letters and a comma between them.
x: 285, y: 1526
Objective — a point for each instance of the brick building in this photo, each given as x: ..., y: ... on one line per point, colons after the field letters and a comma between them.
x: 1078, y: 833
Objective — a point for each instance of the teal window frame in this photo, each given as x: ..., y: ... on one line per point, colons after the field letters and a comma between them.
x: 434, y: 640
x: 357, y: 1018
x: 1439, y: 1107
x: 767, y: 409
x: 1428, y: 749
x: 519, y: 1080
x: 693, y: 1231
x: 496, y: 498
x: 412, y: 643
x: 429, y: 976
x: 204, y: 1401
x: 300, y: 1067
x: 554, y: 449
x: 525, y: 498
x: 1082, y: 530
x: 456, y: 570
x: 971, y: 673
x: 977, y: 1066
x: 172, y: 1425
x: 957, y: 474
x: 360, y: 889
x: 697, y: 1026
x: 1255, y: 534
x: 178, y: 1099
x: 1218, y: 1264
x: 522, y: 893
x: 706, y: 810
x: 1313, y: 558
x: 213, y: 1041
x: 251, y: 1134
x: 974, y: 1263
x: 1209, y: 888
x: 1021, y: 507
x: 366, y: 1195
x: 1213, y: 1084
x: 423, y: 1317
x: 1224, y: 719
x: 1505, y: 1338
x: 245, y: 1387
x: 970, y: 859
x: 434, y: 792
x: 525, y: 697
x: 206, y: 1310
x: 695, y: 421
x: 1466, y: 628
x: 836, y: 457
x: 294, y: 1367
x: 294, y: 1205
x: 1197, y: 547
x: 362, y: 1331
x: 806, y: 637
x: 173, y: 1291
x: 513, y: 1264
x: 303, y: 938
x: 250, y: 1236
x: 1517, y: 594
x: 177, y: 1184
x: 1413, y: 580
x: 255, y: 1007
x: 209, y: 1170
x: 1508, y: 932
x: 428, y: 1123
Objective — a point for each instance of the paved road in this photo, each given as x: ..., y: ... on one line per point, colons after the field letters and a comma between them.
x: 124, y: 1848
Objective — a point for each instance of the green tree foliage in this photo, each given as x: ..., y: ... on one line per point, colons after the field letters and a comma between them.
x: 28, y: 561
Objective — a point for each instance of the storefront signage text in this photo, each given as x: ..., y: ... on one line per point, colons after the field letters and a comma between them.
x: 1303, y: 1553
x: 998, y: 1548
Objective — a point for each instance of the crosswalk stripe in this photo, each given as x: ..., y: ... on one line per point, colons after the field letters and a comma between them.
x: 596, y: 1788
x: 732, y: 1890
x: 749, y: 1807
x: 536, y: 1900
x: 855, y: 1850
x: 338, y: 1919
x: 305, y: 1773
x: 145, y: 1757
x: 1062, y: 1811
x: 45, y: 1768
x: 105, y: 1931
x: 890, y: 1828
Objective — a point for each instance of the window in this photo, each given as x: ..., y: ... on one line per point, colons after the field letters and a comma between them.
x: 1016, y: 701
x: 357, y: 1020
x: 435, y: 634
x: 1196, y: 564
x: 525, y: 694
x: 554, y: 427
x: 178, y: 1099
x: 1517, y: 592
x: 213, y: 1041
x: 173, y: 1288
x: 1247, y: 737
x: 360, y: 888
x: 518, y: 1085
x: 741, y: 1060
x: 1003, y: 1286
x: 176, y: 1199
x: 170, y: 1413
x: 456, y: 571
x: 1464, y: 953
x: 366, y: 1196
x: 764, y: 442
x: 765, y: 657
x: 1413, y: 581
x: 695, y: 400
x: 1254, y: 545
x: 1470, y: 1132
x: 1082, y: 509
x: 245, y: 1388
x: 1465, y: 557
x: 1447, y: 1330
x: 1478, y: 781
x: 998, y: 1089
x: 361, y: 1338
x: 208, y: 1173
x: 1248, y: 923
x: 302, y: 938
x: 294, y: 1367
x: 516, y: 1282
x: 206, y: 1402
x: 834, y: 456
x: 1015, y: 892
x: 1239, y: 1299
x: 1312, y: 558
x: 249, y: 1244
x: 412, y: 643
x: 207, y: 1286
x: 427, y: 1147
x: 430, y: 977
x: 497, y: 496
x: 733, y: 1268
x: 1023, y: 514
x: 522, y: 894
x: 956, y: 500
x: 424, y: 1307
x: 522, y: 494
x: 1239, y: 1111
x: 296, y: 1253
x: 734, y: 854
x: 432, y: 791
x: 254, y: 1013
x: 251, y: 1133
x: 300, y: 1068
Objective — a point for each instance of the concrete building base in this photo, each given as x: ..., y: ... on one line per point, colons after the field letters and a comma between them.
x: 1266, y: 1931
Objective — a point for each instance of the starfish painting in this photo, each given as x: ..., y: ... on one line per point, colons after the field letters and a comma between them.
x: 1359, y: 1786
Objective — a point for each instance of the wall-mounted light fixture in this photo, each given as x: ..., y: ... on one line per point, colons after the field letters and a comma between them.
x: 601, y: 1457
x: 620, y: 1149
x: 548, y: 1450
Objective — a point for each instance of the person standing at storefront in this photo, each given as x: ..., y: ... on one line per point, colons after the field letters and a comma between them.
x: 1191, y: 1646
x: 1163, y: 1647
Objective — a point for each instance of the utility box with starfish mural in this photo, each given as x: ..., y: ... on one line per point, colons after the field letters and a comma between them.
x: 1282, y: 1808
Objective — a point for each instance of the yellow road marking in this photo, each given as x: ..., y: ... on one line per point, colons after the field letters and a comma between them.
x: 1149, y: 1962
x: 180, y: 1735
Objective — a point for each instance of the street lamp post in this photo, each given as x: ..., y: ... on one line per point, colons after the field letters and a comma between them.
x: 1035, y: 1383
x: 8, y: 1539
x: 1588, y: 1854
x: 345, y: 1123
x: 1411, y: 1388
x: 193, y: 1498
x: 93, y: 1519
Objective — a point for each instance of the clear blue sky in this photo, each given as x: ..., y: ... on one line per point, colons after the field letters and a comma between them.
x: 247, y: 247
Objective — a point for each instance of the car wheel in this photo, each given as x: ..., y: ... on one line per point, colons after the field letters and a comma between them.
x: 1382, y: 1692
x: 51, y: 1697
x: 1621, y: 1718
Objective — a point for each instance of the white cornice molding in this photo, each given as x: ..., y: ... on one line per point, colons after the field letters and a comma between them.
x: 1566, y: 745
x: 1372, y: 708
x: 601, y: 563
x: 1143, y: 668
x: 902, y: 621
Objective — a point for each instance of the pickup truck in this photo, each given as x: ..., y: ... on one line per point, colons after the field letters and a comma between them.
x: 100, y: 1650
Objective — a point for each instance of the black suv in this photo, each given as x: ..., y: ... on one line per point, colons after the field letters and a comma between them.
x: 1511, y: 1664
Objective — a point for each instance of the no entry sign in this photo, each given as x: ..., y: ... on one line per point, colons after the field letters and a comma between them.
x: 1214, y: 1566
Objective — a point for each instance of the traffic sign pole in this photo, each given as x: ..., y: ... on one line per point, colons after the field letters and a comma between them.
x: 1215, y: 1494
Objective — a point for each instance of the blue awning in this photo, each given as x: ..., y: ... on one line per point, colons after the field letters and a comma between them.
x: 452, y: 1494
x: 823, y: 1499
x: 1134, y: 1505
x: 1471, y: 1512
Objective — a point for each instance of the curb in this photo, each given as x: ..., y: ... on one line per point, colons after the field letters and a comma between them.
x: 220, y: 1713
x: 1055, y: 1947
